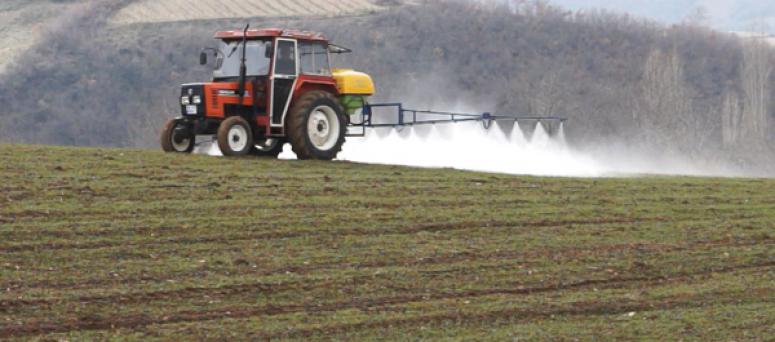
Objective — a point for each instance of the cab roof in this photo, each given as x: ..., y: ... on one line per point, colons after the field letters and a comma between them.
x: 271, y: 33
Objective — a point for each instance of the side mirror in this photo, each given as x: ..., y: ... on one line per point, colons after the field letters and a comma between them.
x: 203, y: 58
x: 269, y: 51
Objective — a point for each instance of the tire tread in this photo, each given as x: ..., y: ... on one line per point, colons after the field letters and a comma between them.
x: 297, y: 122
x: 223, y: 136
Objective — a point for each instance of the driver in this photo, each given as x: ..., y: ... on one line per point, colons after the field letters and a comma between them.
x: 286, y: 64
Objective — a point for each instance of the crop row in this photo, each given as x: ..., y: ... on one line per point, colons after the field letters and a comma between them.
x: 178, y: 10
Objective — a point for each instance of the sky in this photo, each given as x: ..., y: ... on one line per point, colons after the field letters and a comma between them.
x: 726, y: 15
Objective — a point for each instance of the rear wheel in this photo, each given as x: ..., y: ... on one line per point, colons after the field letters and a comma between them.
x: 177, y: 137
x: 317, y: 126
x: 235, y: 137
x: 270, y: 147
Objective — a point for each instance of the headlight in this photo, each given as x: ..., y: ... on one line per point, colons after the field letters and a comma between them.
x: 197, y: 99
x: 184, y: 100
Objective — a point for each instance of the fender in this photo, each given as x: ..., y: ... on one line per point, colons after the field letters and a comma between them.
x: 310, y: 83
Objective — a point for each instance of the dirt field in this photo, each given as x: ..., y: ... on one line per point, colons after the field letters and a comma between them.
x: 137, y: 245
x: 23, y: 22
x: 142, y: 11
x: 757, y: 36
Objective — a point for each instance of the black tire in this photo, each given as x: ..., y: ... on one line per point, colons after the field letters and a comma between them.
x: 235, y: 137
x: 331, y: 126
x: 176, y: 137
x: 269, y: 148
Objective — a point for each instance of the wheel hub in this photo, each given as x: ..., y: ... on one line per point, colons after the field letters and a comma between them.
x: 238, y: 137
x: 323, y: 127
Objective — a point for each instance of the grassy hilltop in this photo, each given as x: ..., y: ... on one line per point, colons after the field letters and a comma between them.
x: 137, y: 245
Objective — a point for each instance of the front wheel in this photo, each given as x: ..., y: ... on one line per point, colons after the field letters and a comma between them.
x: 177, y: 137
x: 235, y: 137
x: 317, y: 126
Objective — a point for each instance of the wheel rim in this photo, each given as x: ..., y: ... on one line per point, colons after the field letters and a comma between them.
x: 267, y: 145
x: 238, y: 138
x: 323, y: 128
x: 179, y: 141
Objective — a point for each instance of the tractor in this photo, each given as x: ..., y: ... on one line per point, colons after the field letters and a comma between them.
x: 270, y: 87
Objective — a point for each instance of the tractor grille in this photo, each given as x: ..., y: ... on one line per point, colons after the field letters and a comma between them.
x: 214, y: 97
x: 238, y: 110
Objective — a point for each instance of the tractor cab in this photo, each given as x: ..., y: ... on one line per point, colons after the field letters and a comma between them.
x: 260, y: 81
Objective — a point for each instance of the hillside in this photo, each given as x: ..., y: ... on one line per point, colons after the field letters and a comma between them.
x: 125, y: 244
x: 144, y: 11
x: 722, y: 15
x: 767, y: 38
x: 624, y: 83
x: 23, y: 23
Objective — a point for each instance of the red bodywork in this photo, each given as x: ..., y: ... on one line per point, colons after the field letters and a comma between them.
x: 215, y: 102
x: 272, y: 32
x: 215, y: 98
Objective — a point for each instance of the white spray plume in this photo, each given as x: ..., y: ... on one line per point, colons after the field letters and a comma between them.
x: 468, y: 146
x: 500, y: 149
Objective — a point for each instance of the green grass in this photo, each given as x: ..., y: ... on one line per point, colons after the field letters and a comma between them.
x: 138, y: 245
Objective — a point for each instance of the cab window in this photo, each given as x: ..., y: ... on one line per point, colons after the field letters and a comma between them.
x: 230, y: 57
x: 314, y: 59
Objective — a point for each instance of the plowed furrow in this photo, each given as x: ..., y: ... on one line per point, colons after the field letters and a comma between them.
x: 430, y: 228
x: 556, y: 254
x: 185, y: 293
x: 549, y: 311
x: 131, y: 322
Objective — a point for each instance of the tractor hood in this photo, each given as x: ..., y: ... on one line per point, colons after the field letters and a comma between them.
x: 221, y: 99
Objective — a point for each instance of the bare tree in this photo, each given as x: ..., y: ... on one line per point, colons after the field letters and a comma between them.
x: 666, y: 114
x: 731, y: 120
x: 3, y: 134
x: 546, y: 94
x: 756, y: 72
x: 698, y: 17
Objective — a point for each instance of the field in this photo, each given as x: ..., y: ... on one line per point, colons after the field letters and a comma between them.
x: 770, y: 39
x: 143, y: 11
x: 137, y: 245
x: 22, y: 22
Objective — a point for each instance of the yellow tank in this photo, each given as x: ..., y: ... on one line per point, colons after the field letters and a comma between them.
x: 351, y: 82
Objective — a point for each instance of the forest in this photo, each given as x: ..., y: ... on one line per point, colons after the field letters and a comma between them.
x: 678, y: 89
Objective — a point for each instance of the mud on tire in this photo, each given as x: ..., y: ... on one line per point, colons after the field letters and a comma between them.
x: 235, y: 137
x: 316, y: 126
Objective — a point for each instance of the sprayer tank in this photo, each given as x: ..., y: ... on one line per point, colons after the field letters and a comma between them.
x: 351, y: 82
x: 354, y: 88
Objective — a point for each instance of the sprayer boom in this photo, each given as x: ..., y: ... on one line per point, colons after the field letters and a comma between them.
x: 415, y: 117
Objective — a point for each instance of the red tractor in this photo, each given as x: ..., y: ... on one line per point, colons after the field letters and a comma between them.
x: 270, y: 87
